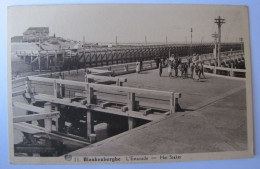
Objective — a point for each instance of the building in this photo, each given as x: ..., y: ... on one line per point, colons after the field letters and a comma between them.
x: 36, y: 34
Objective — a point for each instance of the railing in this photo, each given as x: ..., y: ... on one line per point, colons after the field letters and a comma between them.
x: 225, y: 71
x: 126, y: 95
x: 27, y: 52
x: 119, y: 69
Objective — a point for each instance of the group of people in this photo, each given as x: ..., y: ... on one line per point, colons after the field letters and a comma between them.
x: 177, y: 68
x: 233, y: 63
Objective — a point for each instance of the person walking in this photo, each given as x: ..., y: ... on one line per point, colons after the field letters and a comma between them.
x: 201, y: 70
x: 141, y: 64
x: 180, y: 72
x: 192, y: 69
x: 185, y: 70
x: 196, y: 72
x: 160, y: 69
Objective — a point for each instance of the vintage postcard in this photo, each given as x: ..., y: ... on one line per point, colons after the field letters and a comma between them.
x: 132, y: 83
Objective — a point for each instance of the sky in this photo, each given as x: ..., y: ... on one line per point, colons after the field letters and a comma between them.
x: 131, y: 23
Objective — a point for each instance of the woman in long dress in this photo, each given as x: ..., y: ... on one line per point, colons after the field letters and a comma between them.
x: 180, y: 70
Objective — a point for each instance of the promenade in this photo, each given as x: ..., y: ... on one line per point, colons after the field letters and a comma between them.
x: 213, y: 119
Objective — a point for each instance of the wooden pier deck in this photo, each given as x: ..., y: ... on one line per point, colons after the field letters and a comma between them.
x: 214, y: 119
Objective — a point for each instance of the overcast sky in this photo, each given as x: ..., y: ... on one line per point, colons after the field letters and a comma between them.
x: 130, y: 23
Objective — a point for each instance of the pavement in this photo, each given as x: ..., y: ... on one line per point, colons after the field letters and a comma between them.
x: 213, y: 120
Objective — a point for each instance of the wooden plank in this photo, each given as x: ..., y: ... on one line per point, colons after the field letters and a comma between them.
x: 105, y: 104
x: 32, y: 129
x: 129, y: 89
x: 18, y: 93
x: 71, y: 82
x: 94, y: 107
x: 92, y: 70
x: 29, y: 107
x: 41, y: 79
x: 28, y: 128
x: 147, y: 111
x: 63, y: 101
x: 106, y: 78
x: 34, y: 117
x: 143, y: 102
x: 19, y: 80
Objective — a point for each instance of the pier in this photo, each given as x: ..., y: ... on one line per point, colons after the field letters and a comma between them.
x: 62, y: 108
x: 85, y: 56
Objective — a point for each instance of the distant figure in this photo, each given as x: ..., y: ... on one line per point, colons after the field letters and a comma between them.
x: 160, y: 69
x: 185, y: 70
x: 170, y: 68
x: 176, y: 66
x: 180, y: 70
x: 196, y: 72
x: 192, y: 69
x: 141, y: 64
x: 201, y: 71
x: 157, y: 61
x: 189, y: 61
x: 137, y: 67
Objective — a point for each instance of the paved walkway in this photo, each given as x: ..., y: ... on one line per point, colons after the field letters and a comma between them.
x: 214, y: 119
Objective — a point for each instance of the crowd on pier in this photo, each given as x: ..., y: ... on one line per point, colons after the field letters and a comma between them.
x: 233, y: 63
x: 178, y: 68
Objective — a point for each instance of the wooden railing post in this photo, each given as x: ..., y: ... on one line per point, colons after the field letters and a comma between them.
x: 231, y: 71
x: 214, y: 70
x: 174, y: 101
x: 126, y: 68
x: 47, y: 122
x: 117, y: 82
x: 57, y: 89
x: 62, y: 88
x: 28, y: 86
x: 90, y: 94
x: 86, y: 77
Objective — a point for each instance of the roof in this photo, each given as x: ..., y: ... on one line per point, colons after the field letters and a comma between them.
x: 36, y: 29
x: 17, y: 39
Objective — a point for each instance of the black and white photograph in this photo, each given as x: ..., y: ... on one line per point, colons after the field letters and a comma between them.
x: 129, y: 83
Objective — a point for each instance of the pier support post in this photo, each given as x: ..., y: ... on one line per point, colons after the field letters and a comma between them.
x: 47, y: 122
x: 131, y: 123
x: 90, y: 127
x: 131, y: 107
